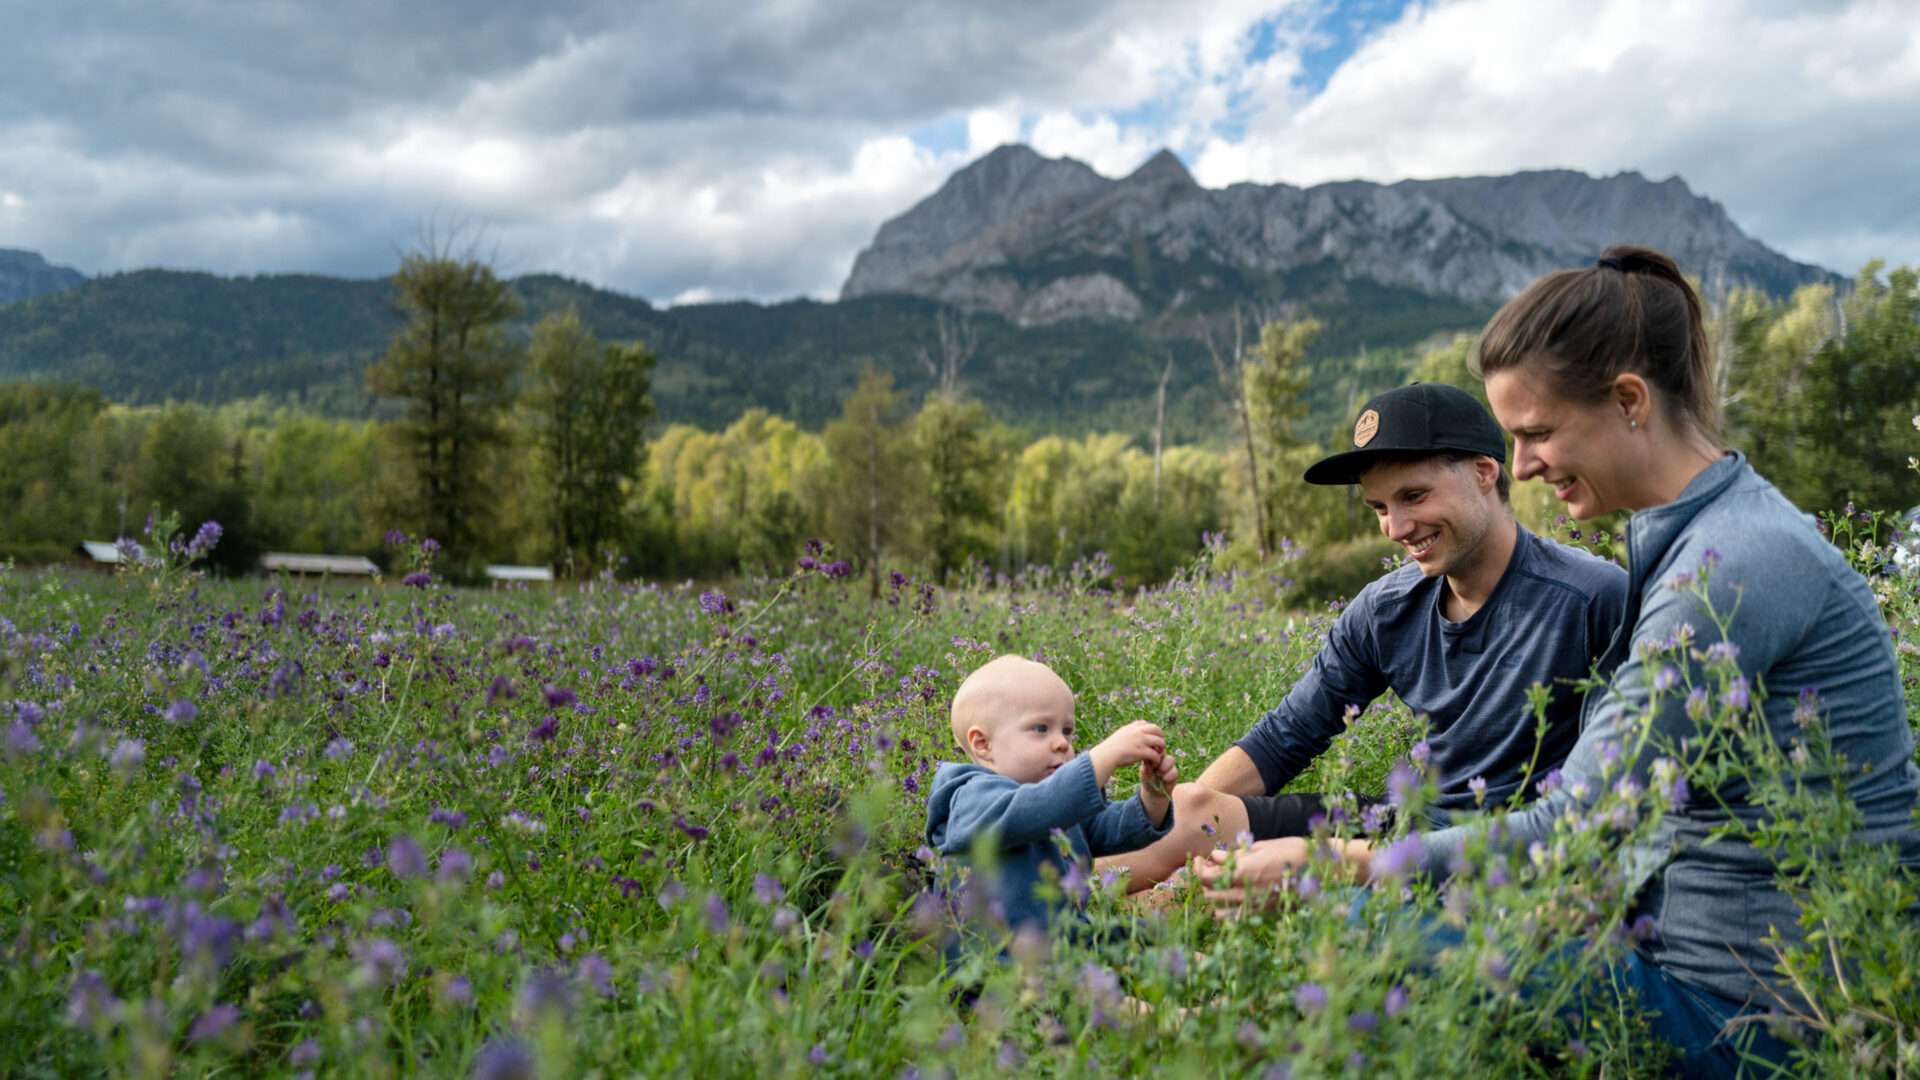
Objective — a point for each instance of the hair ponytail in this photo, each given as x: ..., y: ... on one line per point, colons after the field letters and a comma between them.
x: 1630, y: 311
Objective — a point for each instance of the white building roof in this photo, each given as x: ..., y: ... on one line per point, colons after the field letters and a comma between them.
x: 318, y: 564
x: 503, y: 572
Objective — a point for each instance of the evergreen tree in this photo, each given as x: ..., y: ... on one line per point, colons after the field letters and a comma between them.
x: 589, y: 406
x: 450, y: 366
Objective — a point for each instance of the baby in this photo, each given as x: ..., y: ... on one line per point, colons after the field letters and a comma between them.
x: 1014, y: 718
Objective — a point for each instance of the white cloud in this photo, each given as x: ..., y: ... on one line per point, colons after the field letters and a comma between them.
x: 1798, y: 120
x: 687, y: 155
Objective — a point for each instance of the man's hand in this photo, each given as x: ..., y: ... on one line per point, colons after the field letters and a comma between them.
x: 1259, y: 873
x: 1156, y: 787
x: 1138, y: 741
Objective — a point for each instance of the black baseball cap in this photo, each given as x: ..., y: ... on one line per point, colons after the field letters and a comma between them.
x: 1420, y: 418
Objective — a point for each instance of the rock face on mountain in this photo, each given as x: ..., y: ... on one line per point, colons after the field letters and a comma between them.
x: 25, y: 274
x: 1040, y: 240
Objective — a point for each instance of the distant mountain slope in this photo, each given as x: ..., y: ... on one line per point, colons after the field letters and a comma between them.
x: 25, y: 274
x: 155, y: 335
x: 1041, y: 240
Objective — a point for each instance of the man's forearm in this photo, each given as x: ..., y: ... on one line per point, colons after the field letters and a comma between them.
x: 1234, y: 773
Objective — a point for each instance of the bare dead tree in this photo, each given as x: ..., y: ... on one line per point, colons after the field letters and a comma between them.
x: 1228, y: 366
x: 1160, y: 425
x: 957, y: 339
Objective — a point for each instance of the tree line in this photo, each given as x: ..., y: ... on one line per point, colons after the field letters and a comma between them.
x: 549, y: 452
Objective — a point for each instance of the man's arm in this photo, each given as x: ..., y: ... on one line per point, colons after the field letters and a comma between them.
x: 1234, y: 773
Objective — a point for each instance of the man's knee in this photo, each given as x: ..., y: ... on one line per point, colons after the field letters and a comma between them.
x: 1199, y: 806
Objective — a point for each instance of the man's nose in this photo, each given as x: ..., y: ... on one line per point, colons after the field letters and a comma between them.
x: 1396, y: 526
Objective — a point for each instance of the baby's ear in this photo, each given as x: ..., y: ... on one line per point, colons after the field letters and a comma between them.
x: 977, y: 743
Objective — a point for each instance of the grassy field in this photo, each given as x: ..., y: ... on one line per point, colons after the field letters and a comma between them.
x: 280, y: 827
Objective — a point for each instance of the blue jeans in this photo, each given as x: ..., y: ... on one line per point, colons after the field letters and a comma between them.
x: 1691, y: 1020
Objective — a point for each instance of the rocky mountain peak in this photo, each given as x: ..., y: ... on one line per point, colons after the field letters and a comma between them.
x: 1163, y: 169
x: 26, y: 274
x: 1040, y: 239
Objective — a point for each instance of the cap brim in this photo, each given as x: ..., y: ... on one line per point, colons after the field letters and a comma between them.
x: 1340, y: 469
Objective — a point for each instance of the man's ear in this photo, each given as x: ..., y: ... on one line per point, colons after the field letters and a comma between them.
x: 978, y: 744
x: 1486, y: 473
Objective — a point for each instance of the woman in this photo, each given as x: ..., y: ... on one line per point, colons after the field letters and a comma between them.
x: 1602, y: 377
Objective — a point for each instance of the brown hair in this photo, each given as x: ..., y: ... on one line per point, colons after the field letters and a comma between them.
x: 1630, y: 311
x: 1452, y: 459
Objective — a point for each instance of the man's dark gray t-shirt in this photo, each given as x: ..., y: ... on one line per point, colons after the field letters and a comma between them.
x: 1551, y: 615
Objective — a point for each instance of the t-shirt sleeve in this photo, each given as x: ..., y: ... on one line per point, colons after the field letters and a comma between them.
x: 1345, y: 674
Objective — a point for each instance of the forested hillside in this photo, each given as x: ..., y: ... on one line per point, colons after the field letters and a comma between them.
x: 159, y: 335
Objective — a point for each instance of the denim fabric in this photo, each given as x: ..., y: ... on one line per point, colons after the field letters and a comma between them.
x: 1802, y: 620
x: 1692, y: 1021
x: 969, y: 802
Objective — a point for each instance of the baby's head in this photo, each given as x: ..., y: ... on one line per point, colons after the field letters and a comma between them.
x: 1015, y: 716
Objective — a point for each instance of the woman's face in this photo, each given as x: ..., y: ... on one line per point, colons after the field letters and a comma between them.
x: 1584, y: 451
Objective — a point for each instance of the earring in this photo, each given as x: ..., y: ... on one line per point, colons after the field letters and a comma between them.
x: 1633, y: 425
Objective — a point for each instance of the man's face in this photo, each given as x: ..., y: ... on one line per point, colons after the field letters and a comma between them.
x: 1439, y: 512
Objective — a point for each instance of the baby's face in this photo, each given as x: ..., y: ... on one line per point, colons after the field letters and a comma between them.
x: 1035, y: 734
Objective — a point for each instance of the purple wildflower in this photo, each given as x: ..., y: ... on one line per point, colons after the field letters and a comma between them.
x: 1736, y: 696
x: 817, y: 1055
x: 89, y: 999
x: 715, y: 911
x: 1396, y: 860
x: 559, y: 697
x: 21, y: 740
x: 767, y: 890
x: 594, y: 970
x: 1363, y: 1022
x: 419, y: 579
x: 1421, y: 753
x: 306, y: 1053
x: 1309, y: 998
x: 381, y: 963
x: 128, y: 755
x: 671, y: 893
x: 1668, y: 678
x: 1478, y: 785
x: 405, y: 858
x: 504, y: 1058
x: 545, y: 992
x: 1396, y: 1002
x: 501, y: 689
x: 214, y: 1023
x: 715, y: 602
x: 455, y: 865
x: 180, y: 712
x: 1402, y: 782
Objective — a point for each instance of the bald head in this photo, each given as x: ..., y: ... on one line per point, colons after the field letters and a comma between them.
x: 1003, y: 690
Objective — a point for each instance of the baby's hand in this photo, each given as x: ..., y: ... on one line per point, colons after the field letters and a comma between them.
x: 1156, y: 787
x: 1138, y: 741
x: 1158, y: 777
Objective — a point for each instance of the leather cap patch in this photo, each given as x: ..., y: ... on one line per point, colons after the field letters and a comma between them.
x: 1365, y: 428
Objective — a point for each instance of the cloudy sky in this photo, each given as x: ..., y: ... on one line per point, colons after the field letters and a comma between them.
x: 681, y: 150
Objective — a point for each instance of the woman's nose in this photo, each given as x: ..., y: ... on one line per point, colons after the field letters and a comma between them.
x: 1526, y: 463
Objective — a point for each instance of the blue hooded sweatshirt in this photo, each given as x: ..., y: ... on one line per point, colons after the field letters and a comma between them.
x: 970, y: 801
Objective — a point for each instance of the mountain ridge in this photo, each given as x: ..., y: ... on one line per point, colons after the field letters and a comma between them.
x: 1069, y: 243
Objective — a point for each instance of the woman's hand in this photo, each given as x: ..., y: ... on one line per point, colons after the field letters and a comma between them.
x: 1268, y: 869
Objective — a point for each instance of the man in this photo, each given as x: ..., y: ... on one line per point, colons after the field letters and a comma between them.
x: 1481, y: 611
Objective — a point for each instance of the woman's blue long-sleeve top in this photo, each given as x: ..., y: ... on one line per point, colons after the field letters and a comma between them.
x: 970, y: 801
x: 1802, y: 620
